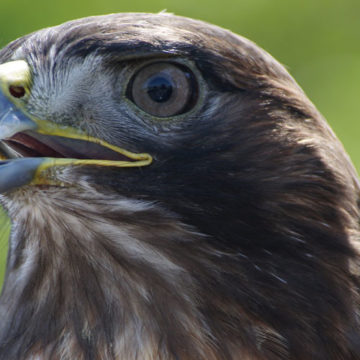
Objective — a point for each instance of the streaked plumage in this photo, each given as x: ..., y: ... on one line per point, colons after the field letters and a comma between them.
x: 239, y: 241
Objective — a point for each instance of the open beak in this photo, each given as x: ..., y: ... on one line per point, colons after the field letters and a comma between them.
x: 30, y: 146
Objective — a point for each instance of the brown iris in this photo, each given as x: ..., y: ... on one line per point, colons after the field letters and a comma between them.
x: 163, y: 89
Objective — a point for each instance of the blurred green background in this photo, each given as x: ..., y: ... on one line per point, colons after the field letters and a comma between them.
x: 317, y: 40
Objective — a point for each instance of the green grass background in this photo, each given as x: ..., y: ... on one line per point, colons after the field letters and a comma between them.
x: 317, y: 40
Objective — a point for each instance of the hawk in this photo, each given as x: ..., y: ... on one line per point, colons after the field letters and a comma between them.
x: 173, y: 195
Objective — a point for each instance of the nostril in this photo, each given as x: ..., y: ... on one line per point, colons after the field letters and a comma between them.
x: 17, y: 91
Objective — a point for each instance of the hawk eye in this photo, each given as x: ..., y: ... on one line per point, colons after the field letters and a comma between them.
x: 163, y: 89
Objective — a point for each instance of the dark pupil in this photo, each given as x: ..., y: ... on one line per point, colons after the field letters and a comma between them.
x: 159, y: 89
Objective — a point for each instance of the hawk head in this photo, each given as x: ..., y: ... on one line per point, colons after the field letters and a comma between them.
x: 173, y: 195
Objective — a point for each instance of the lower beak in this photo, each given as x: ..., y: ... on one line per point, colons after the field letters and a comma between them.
x: 18, y: 172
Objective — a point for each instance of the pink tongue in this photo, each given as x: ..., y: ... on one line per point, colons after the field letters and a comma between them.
x: 28, y: 146
x: 56, y: 146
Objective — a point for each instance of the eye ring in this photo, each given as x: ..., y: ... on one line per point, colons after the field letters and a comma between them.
x: 163, y: 89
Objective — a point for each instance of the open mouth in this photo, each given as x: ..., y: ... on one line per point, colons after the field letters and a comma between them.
x: 27, y: 156
x: 24, y: 145
x: 34, y: 151
x: 31, y: 144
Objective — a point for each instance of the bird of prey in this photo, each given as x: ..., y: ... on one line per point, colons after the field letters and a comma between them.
x: 173, y: 195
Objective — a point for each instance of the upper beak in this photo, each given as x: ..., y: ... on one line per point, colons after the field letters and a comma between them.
x: 44, y: 144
